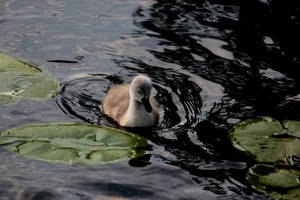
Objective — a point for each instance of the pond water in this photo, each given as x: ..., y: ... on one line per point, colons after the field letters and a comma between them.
x: 212, y: 63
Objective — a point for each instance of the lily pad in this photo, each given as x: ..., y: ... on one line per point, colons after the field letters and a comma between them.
x: 73, y: 143
x: 267, y: 140
x: 22, y: 80
x: 294, y: 127
x: 278, y: 183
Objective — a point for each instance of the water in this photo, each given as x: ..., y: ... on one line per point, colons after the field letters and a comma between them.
x: 213, y: 64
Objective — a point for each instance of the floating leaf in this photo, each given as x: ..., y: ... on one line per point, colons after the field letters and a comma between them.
x: 277, y: 183
x: 266, y: 140
x: 73, y: 143
x: 21, y: 80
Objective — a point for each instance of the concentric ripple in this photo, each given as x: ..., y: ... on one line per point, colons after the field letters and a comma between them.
x: 184, y: 99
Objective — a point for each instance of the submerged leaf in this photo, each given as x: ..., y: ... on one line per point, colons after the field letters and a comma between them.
x: 21, y: 80
x: 73, y: 143
x: 266, y: 140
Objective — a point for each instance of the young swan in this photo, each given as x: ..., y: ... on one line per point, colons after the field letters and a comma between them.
x: 131, y: 105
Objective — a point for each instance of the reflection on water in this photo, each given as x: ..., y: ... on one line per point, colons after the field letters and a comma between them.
x: 212, y: 64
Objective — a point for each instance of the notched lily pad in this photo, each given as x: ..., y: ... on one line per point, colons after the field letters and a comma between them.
x: 278, y: 183
x: 267, y: 140
x: 73, y: 143
x: 22, y: 80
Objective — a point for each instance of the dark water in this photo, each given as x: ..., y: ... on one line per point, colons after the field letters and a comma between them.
x: 212, y: 63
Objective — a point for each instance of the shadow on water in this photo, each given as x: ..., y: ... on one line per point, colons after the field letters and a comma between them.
x: 212, y: 63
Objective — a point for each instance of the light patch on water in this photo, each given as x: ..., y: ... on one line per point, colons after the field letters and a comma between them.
x: 272, y: 74
x: 264, y: 1
x: 215, y: 47
x: 197, y: 57
x: 268, y: 40
x: 244, y: 63
x: 294, y: 98
x: 233, y: 120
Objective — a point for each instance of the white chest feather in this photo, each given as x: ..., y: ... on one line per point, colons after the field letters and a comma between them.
x: 137, y: 116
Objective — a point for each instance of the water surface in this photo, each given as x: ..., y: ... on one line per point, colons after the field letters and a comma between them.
x: 213, y: 64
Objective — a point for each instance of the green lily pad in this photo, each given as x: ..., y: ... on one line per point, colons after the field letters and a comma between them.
x: 267, y: 141
x: 73, y: 143
x: 294, y: 127
x: 278, y: 183
x: 22, y: 80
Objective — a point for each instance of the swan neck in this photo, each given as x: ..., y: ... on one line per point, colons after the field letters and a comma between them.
x: 132, y: 108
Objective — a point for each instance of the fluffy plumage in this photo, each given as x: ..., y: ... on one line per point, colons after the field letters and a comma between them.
x: 131, y: 105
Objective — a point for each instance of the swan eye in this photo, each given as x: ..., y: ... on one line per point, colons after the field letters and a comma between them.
x: 139, y: 92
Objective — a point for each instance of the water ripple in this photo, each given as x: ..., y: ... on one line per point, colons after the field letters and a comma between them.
x: 212, y: 64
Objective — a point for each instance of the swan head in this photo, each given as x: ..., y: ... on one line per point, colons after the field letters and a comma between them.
x: 140, y: 91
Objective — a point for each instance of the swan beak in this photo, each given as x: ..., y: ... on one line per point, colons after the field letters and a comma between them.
x: 147, y: 104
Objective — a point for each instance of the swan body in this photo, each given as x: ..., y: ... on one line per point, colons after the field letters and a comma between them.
x: 131, y: 105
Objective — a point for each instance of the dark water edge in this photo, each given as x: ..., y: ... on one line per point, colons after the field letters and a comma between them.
x: 213, y: 64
